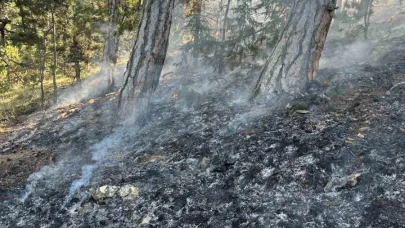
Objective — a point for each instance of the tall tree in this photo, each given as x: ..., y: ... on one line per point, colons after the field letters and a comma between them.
x: 43, y: 67
x: 367, y: 6
x: 111, y: 43
x: 55, y: 54
x: 148, y: 56
x: 221, y: 56
x: 295, y: 58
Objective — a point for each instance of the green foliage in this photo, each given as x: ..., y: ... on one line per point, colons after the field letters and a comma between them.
x: 79, y: 38
x: 248, y: 32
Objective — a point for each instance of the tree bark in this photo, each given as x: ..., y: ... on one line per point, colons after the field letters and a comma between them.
x: 340, y: 4
x: 367, y: 16
x: 147, y: 57
x: 55, y: 87
x: 110, y: 55
x: 76, y: 56
x: 43, y: 68
x: 221, y: 59
x: 3, y: 30
x: 77, y: 72
x: 295, y: 59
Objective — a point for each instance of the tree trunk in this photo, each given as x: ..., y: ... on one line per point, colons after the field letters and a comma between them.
x: 221, y: 62
x: 148, y: 56
x: 76, y: 56
x: 367, y: 16
x: 340, y: 4
x: 294, y: 60
x: 55, y: 87
x: 43, y: 68
x: 110, y: 54
x: 77, y: 72
x: 225, y: 20
x: 196, y: 8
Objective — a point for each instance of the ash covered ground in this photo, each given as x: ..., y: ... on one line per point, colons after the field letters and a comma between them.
x: 334, y: 157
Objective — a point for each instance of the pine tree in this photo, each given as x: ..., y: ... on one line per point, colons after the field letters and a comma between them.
x: 147, y: 57
x: 295, y: 58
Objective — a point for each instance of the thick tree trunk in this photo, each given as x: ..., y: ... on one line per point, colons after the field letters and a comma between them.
x: 148, y: 56
x: 295, y: 59
x: 55, y: 87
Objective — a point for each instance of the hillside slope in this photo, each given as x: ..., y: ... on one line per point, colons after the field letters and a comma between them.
x: 334, y: 157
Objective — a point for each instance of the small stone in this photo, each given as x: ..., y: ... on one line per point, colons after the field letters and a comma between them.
x: 128, y: 192
x: 337, y: 184
x: 362, y: 129
x: 267, y: 172
x: 204, y: 163
x: 273, y: 146
x: 104, y: 192
x: 146, y: 220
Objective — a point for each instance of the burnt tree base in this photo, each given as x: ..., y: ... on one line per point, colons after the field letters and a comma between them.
x: 295, y: 59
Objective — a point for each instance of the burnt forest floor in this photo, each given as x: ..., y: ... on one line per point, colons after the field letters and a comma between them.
x: 334, y: 157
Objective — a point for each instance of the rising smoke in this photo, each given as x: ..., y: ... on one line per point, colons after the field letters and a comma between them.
x: 186, y: 85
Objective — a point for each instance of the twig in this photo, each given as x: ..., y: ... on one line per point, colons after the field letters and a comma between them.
x: 352, y: 154
x: 167, y: 74
x: 401, y: 83
x: 388, y: 36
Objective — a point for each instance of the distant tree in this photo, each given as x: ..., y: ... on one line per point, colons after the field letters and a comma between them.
x: 3, y: 29
x: 367, y: 10
x: 198, y: 27
x: 122, y: 15
x: 110, y: 55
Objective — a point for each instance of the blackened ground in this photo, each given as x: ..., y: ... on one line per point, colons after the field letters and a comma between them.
x: 332, y: 158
